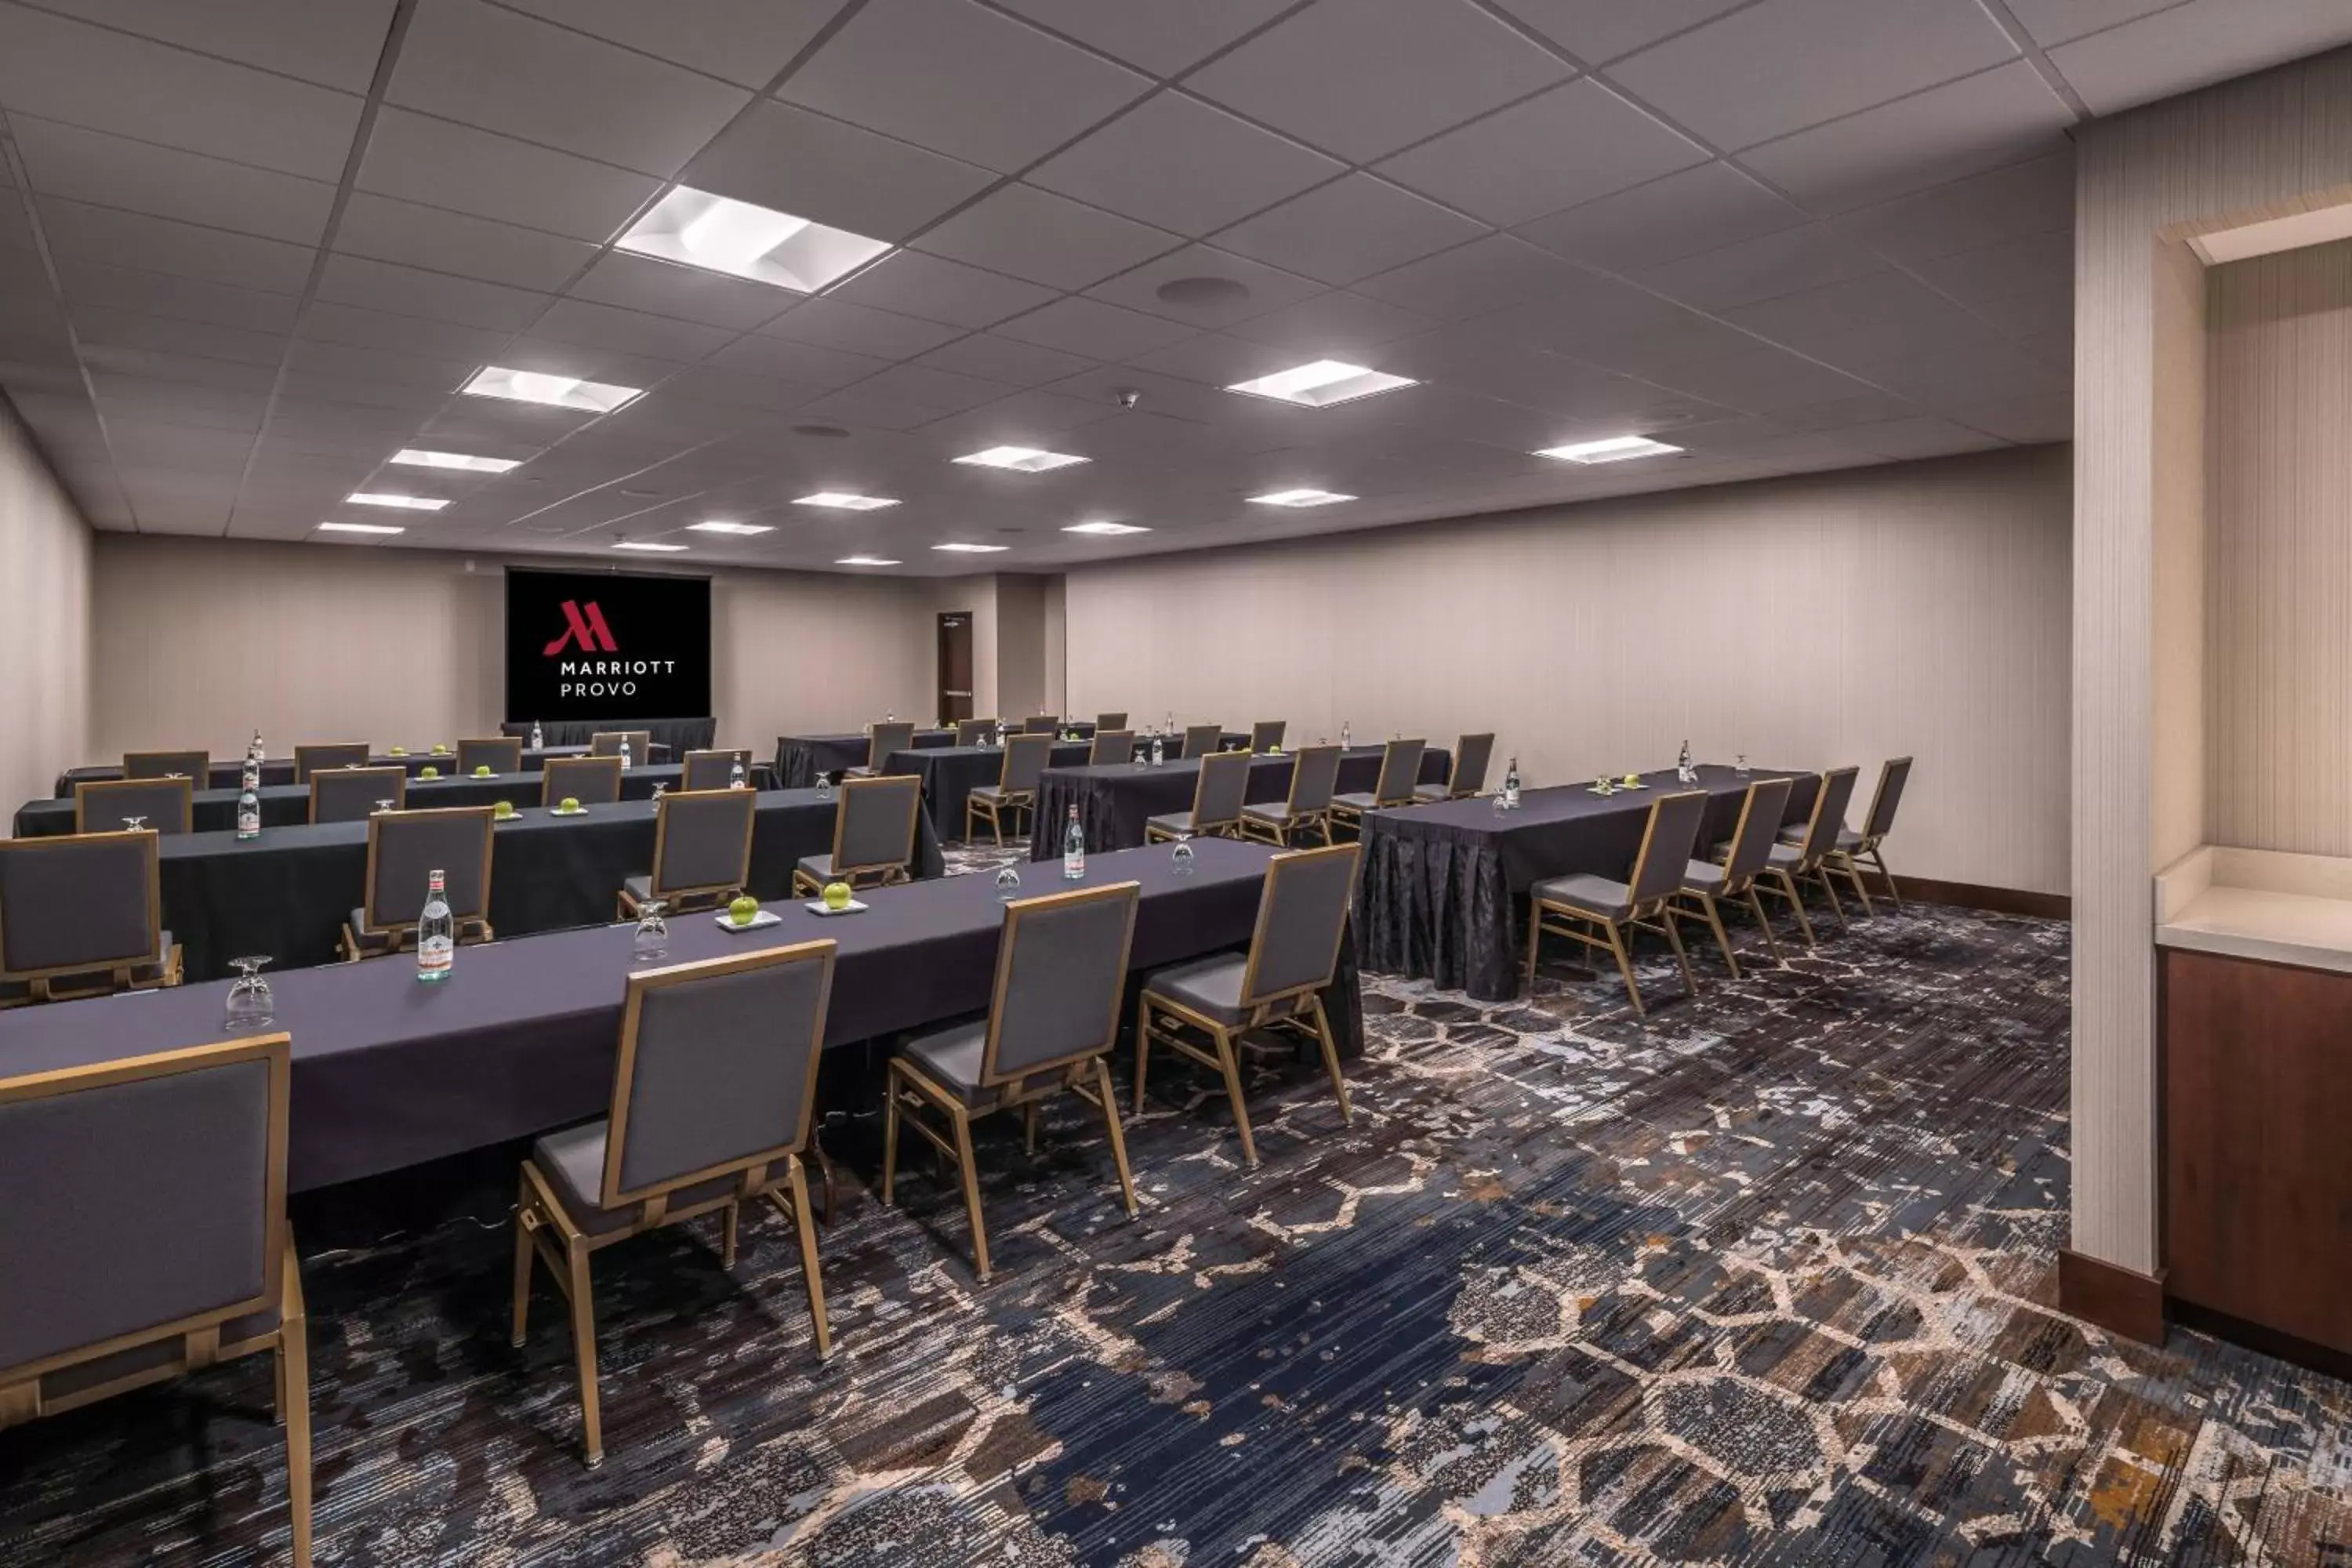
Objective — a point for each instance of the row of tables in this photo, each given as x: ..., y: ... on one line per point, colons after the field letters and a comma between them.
x: 1115, y: 800
x: 229, y: 774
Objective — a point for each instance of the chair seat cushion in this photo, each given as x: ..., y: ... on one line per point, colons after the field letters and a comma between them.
x: 1703, y: 877
x: 1847, y: 838
x: 1786, y: 856
x: 1356, y: 800
x: 638, y: 887
x: 1584, y: 892
x: 1272, y: 810
x: 818, y: 866
x: 998, y: 792
x: 1173, y: 822
x: 1209, y: 986
x: 951, y: 1057
x: 572, y: 1161
x: 1433, y: 792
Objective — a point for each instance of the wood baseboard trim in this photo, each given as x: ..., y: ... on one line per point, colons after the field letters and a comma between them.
x: 2287, y: 1347
x: 2118, y: 1300
x: 1975, y: 895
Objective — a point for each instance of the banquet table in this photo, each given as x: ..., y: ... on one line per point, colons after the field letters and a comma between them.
x: 521, y: 1037
x: 678, y: 736
x: 1117, y: 799
x: 949, y: 775
x: 281, y: 770
x: 286, y: 804
x: 1444, y: 891
x: 286, y: 893
x: 801, y: 758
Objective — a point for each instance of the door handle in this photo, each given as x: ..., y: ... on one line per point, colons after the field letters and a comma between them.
x: 956, y: 694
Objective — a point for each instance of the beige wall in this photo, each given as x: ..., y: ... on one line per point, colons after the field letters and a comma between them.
x: 1843, y: 617
x: 199, y: 641
x: 2278, y: 761
x: 44, y: 550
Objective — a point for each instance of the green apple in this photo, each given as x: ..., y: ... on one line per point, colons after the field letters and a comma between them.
x: 428, y: 772
x: 569, y: 803
x: 503, y: 809
x: 1633, y: 779
x: 399, y: 750
x: 439, y: 750
x: 836, y: 895
x: 482, y: 771
x: 743, y: 911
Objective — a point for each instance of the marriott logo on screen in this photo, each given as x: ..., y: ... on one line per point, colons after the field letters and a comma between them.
x: 597, y: 677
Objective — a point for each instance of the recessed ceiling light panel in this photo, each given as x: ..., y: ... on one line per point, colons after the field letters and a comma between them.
x: 1615, y: 449
x: 360, y: 528
x: 865, y: 561
x: 719, y: 234
x: 554, y: 391
x: 1106, y: 528
x: 972, y: 549
x: 742, y: 530
x: 1027, y: 459
x: 1300, y: 498
x: 1321, y: 384
x: 415, y: 459
x: 649, y: 547
x: 844, y: 501
x: 404, y: 504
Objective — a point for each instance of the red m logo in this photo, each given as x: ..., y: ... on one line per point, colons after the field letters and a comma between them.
x: 588, y: 630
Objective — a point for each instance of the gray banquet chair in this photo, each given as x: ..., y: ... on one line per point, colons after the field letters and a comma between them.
x: 309, y: 760
x: 1788, y: 865
x: 404, y: 848
x: 881, y: 741
x: 1565, y: 905
x: 1110, y: 721
x: 350, y: 794
x: 193, y: 765
x: 702, y: 851
x: 608, y: 743
x: 873, y: 836
x: 1041, y: 724
x: 1061, y: 973
x: 1201, y: 741
x: 1399, y: 767
x: 148, y: 1236
x: 101, y: 805
x: 82, y: 915
x: 709, y: 1111
x: 712, y: 770
x: 1708, y: 885
x: 1472, y: 756
x: 974, y: 731
x: 1111, y: 746
x: 1314, y: 774
x: 500, y: 754
x: 1880, y: 821
x: 1266, y: 735
x: 590, y: 780
x: 1015, y: 789
x: 1302, y: 918
x: 1216, y: 801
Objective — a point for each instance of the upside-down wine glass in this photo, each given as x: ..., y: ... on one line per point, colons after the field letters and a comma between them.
x: 651, y: 939
x: 250, y: 1005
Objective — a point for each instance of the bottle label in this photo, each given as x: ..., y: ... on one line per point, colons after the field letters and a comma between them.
x: 433, y: 957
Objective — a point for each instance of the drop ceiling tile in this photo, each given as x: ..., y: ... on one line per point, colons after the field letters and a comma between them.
x: 181, y: 249
x: 1496, y: 168
x: 164, y: 335
x: 87, y: 284
x: 342, y: 361
x: 1755, y: 269
x: 1591, y: 309
x: 688, y: 293
x: 412, y: 292
x: 1096, y: 329
x: 743, y: 41
x: 596, y: 326
x: 1878, y: 321
x: 105, y: 80
x: 2055, y: 21
x: 1268, y: 288
x: 1599, y: 30
x: 415, y: 401
x: 711, y: 384
x: 1024, y: 232
x: 839, y: 174
x: 939, y: 73
x: 802, y: 363
x: 2039, y: 267
x: 1218, y: 359
x: 335, y: 46
x: 1338, y: 325
x: 1363, y: 78
x: 940, y: 391
x: 115, y: 171
x: 837, y: 324
x: 855, y: 407
x: 1681, y: 214
x: 1004, y: 360
x: 1349, y: 229
x: 331, y: 323
x: 1165, y: 397
x: 2029, y: 198
x: 385, y: 229
x: 1925, y: 436
x: 2045, y: 416
x: 1863, y: 408
x: 2193, y: 45
x: 441, y: 164
x: 1183, y: 165
x: 1490, y: 274
x: 195, y: 370
x: 913, y: 284
x: 1783, y: 65
x: 1762, y: 379
x: 196, y: 417
x: 1656, y: 351
x: 1161, y: 39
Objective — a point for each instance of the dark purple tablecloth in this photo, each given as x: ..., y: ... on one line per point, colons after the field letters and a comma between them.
x: 1444, y: 891
x: 281, y: 770
x: 388, y: 1073
x: 800, y: 758
x: 679, y: 735
x: 1116, y: 800
x: 949, y: 775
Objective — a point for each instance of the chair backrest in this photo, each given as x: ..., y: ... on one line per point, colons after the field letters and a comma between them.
x: 1200, y: 739
x: 83, y: 901
x: 104, y: 804
x: 717, y: 1068
x: 1224, y: 784
x: 1888, y: 795
x: 1399, y: 770
x: 1266, y: 735
x: 590, y: 780
x: 500, y: 754
x: 150, y: 1201
x: 1472, y: 753
x: 1025, y: 757
x: 713, y: 770
x: 884, y: 739
x: 1041, y: 724
x: 1112, y: 746
x: 1760, y: 828
x: 702, y: 841
x: 874, y: 826
x: 1314, y: 777
x: 196, y: 765
x: 406, y: 848
x: 1110, y: 721
x: 1667, y: 841
x: 350, y: 794
x: 973, y: 731
x: 1061, y: 973
x: 608, y: 743
x: 1829, y: 813
x: 309, y: 760
x: 1301, y: 916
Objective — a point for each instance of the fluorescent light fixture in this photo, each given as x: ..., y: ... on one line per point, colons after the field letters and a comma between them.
x: 972, y: 549
x: 1300, y: 498
x: 1321, y: 384
x: 405, y: 503
x: 1615, y: 449
x: 719, y: 234
x: 843, y: 500
x: 649, y: 547
x: 414, y: 458
x: 359, y: 528
x: 1106, y: 528
x: 1027, y: 459
x: 865, y: 561
x: 555, y: 391
x: 743, y: 529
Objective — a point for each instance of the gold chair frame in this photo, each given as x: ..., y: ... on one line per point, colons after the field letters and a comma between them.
x: 109, y: 979
x: 472, y: 930
x: 202, y: 776
x: 884, y: 873
x: 1710, y: 904
x: 509, y: 747
x: 911, y: 1090
x: 1228, y: 827
x: 1014, y: 801
x: 1818, y: 866
x: 556, y: 767
x: 877, y: 753
x: 640, y: 752
x: 1110, y: 746
x: 544, y: 1230
x: 1870, y: 842
x: 1352, y: 819
x: 973, y: 732
x: 677, y: 901
x: 733, y: 753
x: 89, y: 789
x: 1278, y: 832
x: 397, y: 779
x: 1658, y: 915
x: 302, y: 756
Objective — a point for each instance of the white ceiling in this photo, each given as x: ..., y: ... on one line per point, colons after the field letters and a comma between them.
x: 250, y: 248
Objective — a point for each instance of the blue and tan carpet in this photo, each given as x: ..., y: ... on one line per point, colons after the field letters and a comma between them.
x: 1766, y: 1281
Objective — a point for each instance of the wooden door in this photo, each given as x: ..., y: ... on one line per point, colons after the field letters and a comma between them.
x: 955, y: 666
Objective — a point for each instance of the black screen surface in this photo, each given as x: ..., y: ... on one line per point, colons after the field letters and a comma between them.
x: 606, y: 645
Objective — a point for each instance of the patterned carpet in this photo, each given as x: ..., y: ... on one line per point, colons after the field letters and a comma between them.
x: 1766, y: 1281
